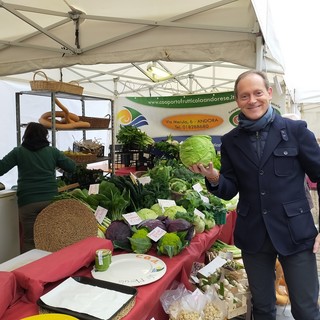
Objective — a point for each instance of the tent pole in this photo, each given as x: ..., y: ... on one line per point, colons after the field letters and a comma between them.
x: 259, y: 53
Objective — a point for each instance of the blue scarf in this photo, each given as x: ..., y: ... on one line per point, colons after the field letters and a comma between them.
x: 256, y: 125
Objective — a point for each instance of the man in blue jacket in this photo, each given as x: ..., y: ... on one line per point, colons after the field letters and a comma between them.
x: 265, y: 159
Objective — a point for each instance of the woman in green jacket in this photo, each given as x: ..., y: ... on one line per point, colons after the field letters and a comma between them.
x: 37, y: 163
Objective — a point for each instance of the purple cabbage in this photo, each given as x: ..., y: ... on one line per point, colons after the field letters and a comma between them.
x: 151, y: 224
x: 119, y: 233
x: 179, y: 225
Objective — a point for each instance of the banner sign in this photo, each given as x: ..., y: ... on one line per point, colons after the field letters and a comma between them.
x: 181, y: 116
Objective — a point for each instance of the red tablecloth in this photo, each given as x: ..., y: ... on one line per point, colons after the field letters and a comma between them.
x: 41, y: 275
x: 226, y: 234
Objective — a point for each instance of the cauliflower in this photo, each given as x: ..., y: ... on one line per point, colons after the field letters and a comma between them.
x: 140, y: 242
x: 170, y: 244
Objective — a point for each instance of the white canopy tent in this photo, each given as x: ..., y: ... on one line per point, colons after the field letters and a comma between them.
x: 106, y: 46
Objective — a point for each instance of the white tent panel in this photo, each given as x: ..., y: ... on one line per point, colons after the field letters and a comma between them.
x: 289, y: 28
x: 48, y: 34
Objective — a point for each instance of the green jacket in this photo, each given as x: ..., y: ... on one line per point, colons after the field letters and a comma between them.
x: 36, y: 172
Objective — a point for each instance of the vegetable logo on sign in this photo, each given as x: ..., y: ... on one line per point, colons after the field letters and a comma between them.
x: 132, y: 117
x: 233, y: 119
x: 192, y: 122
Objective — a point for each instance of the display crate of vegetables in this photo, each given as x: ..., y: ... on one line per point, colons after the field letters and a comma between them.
x: 230, y: 283
x: 124, y: 157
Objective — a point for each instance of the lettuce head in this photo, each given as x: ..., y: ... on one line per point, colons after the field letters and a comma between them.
x: 197, y: 149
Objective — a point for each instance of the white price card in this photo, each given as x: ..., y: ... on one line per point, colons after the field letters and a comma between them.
x: 93, y: 188
x: 144, y: 180
x: 226, y: 255
x: 212, y: 266
x: 156, y: 234
x: 197, y: 187
x: 100, y: 213
x: 204, y: 198
x: 132, y: 218
x: 165, y: 203
x: 199, y: 213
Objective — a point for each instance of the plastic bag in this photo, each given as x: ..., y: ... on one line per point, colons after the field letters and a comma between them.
x: 175, y: 293
x: 181, y: 303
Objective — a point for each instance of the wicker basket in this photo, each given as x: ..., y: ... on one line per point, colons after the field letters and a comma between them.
x: 82, y: 158
x: 99, y: 123
x: 62, y: 223
x: 57, y: 86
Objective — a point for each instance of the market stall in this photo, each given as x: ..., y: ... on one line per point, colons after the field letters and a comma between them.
x: 26, y: 284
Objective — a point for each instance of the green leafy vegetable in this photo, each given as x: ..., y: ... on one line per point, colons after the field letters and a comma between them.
x: 157, y: 208
x: 146, y: 213
x: 170, y: 212
x: 133, y: 138
x: 197, y: 149
x: 140, y: 242
x: 170, y: 244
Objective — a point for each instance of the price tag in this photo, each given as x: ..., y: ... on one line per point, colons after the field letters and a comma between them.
x: 132, y: 218
x: 197, y: 187
x: 144, y: 180
x: 156, y: 234
x: 164, y: 203
x: 226, y: 255
x: 204, y: 199
x: 93, y: 188
x: 212, y: 266
x: 195, y: 279
x: 100, y: 214
x: 199, y: 213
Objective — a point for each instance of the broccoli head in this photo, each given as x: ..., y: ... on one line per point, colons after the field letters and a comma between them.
x: 140, y: 242
x: 170, y: 244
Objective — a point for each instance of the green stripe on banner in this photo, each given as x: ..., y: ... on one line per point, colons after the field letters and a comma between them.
x: 191, y: 101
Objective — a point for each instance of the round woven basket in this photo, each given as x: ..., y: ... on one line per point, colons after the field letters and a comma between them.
x: 63, y: 223
x: 82, y: 158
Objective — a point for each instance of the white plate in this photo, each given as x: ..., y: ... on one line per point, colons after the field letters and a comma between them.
x: 132, y: 270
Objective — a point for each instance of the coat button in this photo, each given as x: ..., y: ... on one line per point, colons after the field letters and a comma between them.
x: 300, y: 210
x: 285, y: 153
x: 263, y: 193
x: 264, y: 211
x: 261, y: 172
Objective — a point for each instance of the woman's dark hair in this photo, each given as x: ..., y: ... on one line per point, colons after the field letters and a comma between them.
x: 35, y: 131
x: 244, y: 74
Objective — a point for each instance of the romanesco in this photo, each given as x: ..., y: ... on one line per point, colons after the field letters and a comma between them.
x: 170, y: 244
x: 140, y: 242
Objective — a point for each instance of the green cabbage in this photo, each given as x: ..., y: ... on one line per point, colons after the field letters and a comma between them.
x: 197, y: 149
x: 170, y: 212
x: 146, y: 213
x: 157, y: 209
